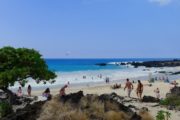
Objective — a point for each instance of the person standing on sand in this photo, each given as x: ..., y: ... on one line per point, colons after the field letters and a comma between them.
x: 19, y: 92
x: 157, y: 91
x: 62, y: 91
x: 129, y: 87
x: 139, y: 89
x: 29, y: 90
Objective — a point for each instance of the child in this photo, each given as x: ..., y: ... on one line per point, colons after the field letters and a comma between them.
x: 157, y: 93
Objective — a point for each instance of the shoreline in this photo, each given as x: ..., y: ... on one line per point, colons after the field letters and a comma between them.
x: 116, y: 76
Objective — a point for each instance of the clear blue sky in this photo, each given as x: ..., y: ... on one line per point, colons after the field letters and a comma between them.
x: 92, y: 28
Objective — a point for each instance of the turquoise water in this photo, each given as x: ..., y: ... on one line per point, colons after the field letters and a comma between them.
x: 70, y: 65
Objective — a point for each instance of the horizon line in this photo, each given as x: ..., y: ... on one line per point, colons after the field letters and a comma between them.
x: 117, y: 58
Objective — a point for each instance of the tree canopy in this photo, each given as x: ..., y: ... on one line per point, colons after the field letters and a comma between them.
x: 20, y: 64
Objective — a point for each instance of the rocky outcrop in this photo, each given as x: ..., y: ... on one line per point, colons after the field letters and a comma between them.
x: 116, y: 100
x: 3, y: 96
x: 30, y: 112
x: 112, y: 96
x: 101, y: 64
x: 96, y: 107
x: 167, y: 63
x: 17, y: 100
x: 175, y: 91
x: 175, y: 73
x: 162, y: 63
x: 73, y: 97
x: 91, y: 107
x: 150, y: 99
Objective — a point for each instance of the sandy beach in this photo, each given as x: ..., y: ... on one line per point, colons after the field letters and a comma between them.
x: 106, y: 88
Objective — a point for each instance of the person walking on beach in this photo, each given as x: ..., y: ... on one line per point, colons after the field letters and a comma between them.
x: 139, y: 89
x: 129, y: 87
x: 29, y: 90
x: 62, y: 91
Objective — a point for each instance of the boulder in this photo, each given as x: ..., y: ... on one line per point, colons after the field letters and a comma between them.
x: 112, y: 96
x: 30, y: 112
x: 144, y: 109
x: 136, y: 117
x: 150, y: 99
x: 73, y: 97
x: 101, y: 64
x: 171, y: 107
x: 175, y: 91
x: 117, y: 101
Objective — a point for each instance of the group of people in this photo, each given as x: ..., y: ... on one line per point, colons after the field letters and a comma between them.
x: 139, y: 90
x: 129, y: 86
x: 48, y: 96
x: 46, y: 93
x: 20, y: 93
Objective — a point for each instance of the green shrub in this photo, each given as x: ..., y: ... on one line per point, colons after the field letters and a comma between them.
x: 163, y: 115
x: 165, y: 102
x: 5, y: 108
x: 172, y: 100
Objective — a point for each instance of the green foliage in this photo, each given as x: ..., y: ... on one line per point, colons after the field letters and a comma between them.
x: 172, y: 100
x: 160, y: 115
x: 5, y: 108
x: 20, y: 64
x: 163, y: 115
x: 165, y: 102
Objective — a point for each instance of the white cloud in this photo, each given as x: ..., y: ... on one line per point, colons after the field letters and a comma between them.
x: 162, y: 2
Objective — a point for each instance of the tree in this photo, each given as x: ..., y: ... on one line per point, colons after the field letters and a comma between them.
x: 20, y: 64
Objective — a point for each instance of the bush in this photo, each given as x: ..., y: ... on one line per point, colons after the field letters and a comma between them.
x: 172, y: 100
x: 163, y: 115
x: 5, y: 109
x: 165, y: 102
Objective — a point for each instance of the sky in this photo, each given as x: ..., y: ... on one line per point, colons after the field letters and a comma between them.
x: 93, y: 28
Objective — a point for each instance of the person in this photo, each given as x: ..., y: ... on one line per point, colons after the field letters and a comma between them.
x: 116, y: 86
x: 19, y: 92
x: 62, y: 90
x: 47, y: 94
x: 129, y: 87
x: 139, y: 89
x: 107, y: 80
x: 157, y: 93
x: 68, y: 83
x: 174, y: 83
x: 84, y: 77
x: 29, y: 90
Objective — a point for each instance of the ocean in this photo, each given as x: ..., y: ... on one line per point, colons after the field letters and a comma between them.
x: 72, y: 65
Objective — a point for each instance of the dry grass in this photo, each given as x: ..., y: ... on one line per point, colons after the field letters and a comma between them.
x: 89, y: 108
x: 111, y: 106
x: 92, y: 107
x: 55, y: 110
x: 146, y: 116
x: 112, y: 115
